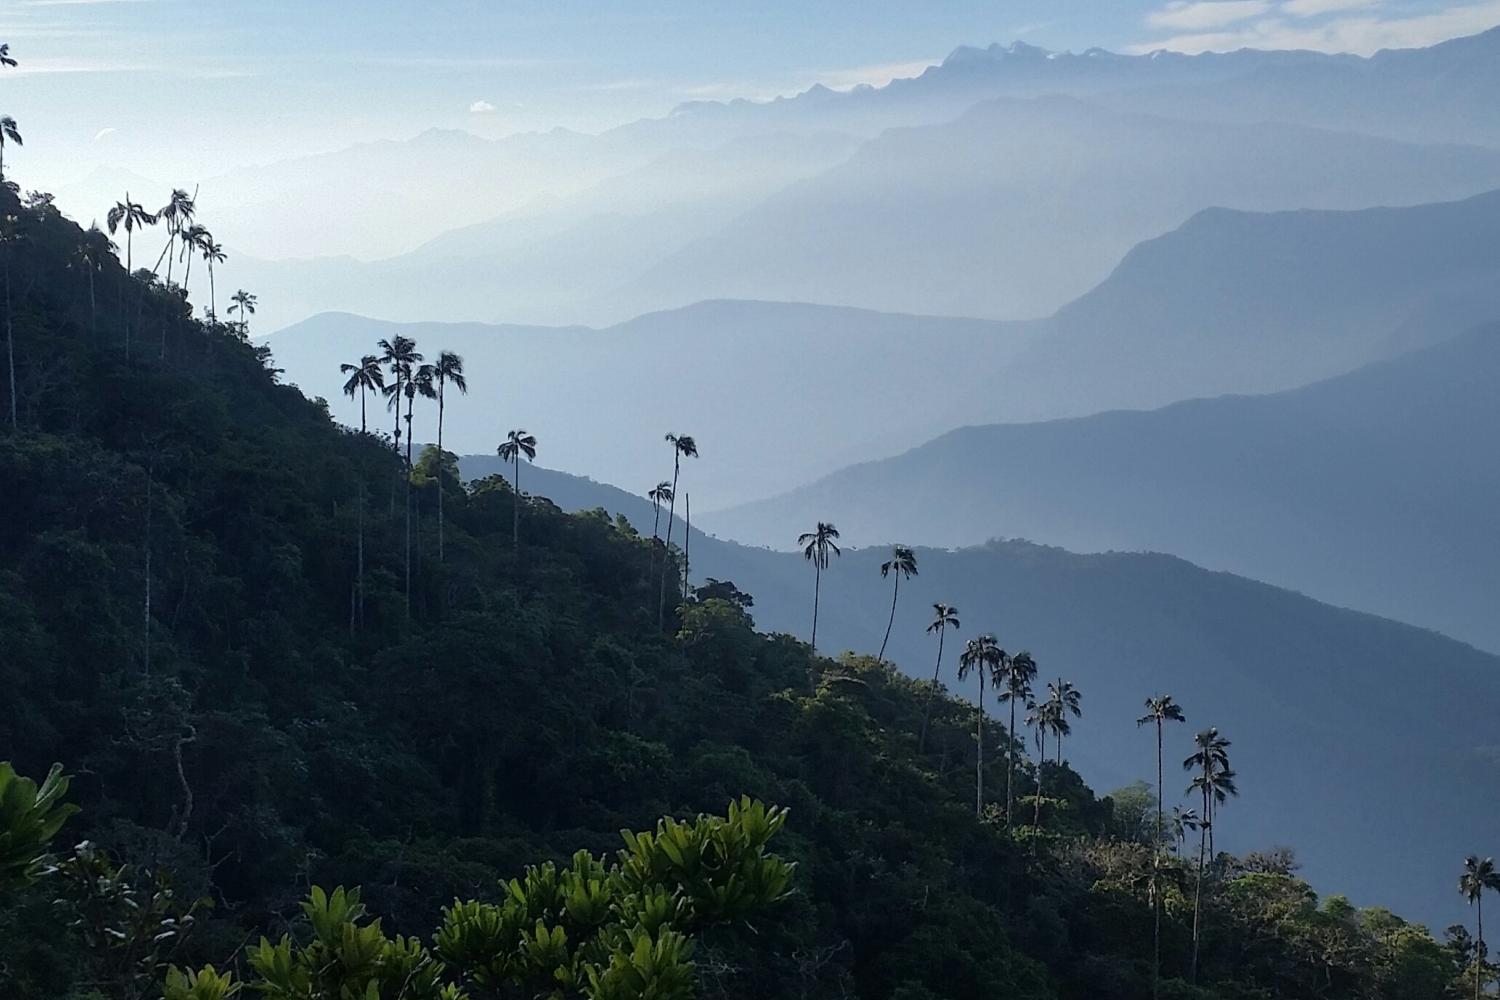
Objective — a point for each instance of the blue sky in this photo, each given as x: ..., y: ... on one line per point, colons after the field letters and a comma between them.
x: 167, y: 86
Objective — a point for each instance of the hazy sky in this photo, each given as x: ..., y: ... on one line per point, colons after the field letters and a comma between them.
x: 195, y: 87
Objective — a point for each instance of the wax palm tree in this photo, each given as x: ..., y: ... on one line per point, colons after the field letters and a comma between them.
x: 9, y: 237
x: 982, y: 655
x: 1479, y: 875
x: 944, y: 617
x: 88, y: 257
x: 400, y: 353
x: 365, y: 377
x: 818, y: 546
x: 132, y: 216
x: 9, y: 132
x: 5, y: 59
x: 191, y: 243
x: 1066, y: 698
x: 212, y: 254
x: 662, y: 493
x: 1038, y: 716
x: 1159, y: 711
x: 902, y: 563
x: 1018, y: 673
x: 1214, y: 782
x: 449, y: 369
x: 1182, y: 822
x: 420, y: 382
x: 177, y: 213
x: 683, y: 446
x: 516, y: 444
x: 244, y: 304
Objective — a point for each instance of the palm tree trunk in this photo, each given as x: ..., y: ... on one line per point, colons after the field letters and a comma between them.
x: 927, y: 705
x: 687, y: 540
x: 93, y: 310
x: 1155, y: 875
x: 1198, y: 891
x: 1479, y: 947
x: 146, y: 646
x: 10, y: 343
x: 655, y: 539
x: 1036, y: 816
x: 515, y: 521
x: 817, y: 591
x: 979, y: 751
x: 1010, y: 758
x: 895, y: 592
x: 213, y: 302
x: 666, y: 549
x: 440, y: 472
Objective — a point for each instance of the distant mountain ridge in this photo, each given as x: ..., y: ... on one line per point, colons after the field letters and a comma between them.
x: 1377, y: 490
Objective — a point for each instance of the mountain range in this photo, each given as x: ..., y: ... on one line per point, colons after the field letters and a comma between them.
x: 1230, y: 302
x: 1335, y: 686
x: 1374, y: 490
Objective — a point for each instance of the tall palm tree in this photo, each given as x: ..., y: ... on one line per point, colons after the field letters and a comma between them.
x: 1066, y: 698
x: 1479, y: 875
x: 418, y: 383
x: 449, y: 369
x: 132, y: 216
x: 400, y: 353
x: 660, y: 494
x: 212, y: 254
x: 683, y: 446
x: 244, y: 304
x: 9, y: 236
x: 944, y: 617
x: 1038, y: 715
x: 192, y: 241
x: 177, y: 213
x: 516, y: 444
x: 817, y: 545
x: 981, y: 655
x: 1017, y: 673
x: 88, y: 257
x: 1182, y: 823
x: 902, y: 563
x: 364, y: 377
x: 9, y: 132
x: 1214, y: 781
x: 1159, y: 710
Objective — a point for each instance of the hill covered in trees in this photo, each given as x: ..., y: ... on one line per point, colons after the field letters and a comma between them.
x: 267, y: 666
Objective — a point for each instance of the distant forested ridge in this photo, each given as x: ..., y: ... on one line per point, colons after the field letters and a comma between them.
x: 228, y: 619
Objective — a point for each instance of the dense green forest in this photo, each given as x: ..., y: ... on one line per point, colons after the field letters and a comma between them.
x: 271, y: 667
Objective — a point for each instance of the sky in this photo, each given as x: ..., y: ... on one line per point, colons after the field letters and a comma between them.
x: 199, y: 87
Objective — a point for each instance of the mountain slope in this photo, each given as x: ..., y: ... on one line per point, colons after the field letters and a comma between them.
x: 1374, y: 490
x: 1335, y: 687
x: 1017, y: 207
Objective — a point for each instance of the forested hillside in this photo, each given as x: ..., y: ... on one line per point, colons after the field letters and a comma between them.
x: 269, y: 666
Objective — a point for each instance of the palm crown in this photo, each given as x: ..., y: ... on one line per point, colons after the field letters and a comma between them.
x: 450, y: 370
x: 1161, y: 709
x: 367, y: 375
x: 981, y: 654
x: 818, y: 544
x: 516, y: 444
x: 944, y: 616
x: 684, y: 444
x: 903, y: 561
x: 1479, y: 875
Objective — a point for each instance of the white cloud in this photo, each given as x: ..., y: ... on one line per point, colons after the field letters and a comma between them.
x: 1362, y: 34
x: 104, y: 132
x: 1316, y: 8
x: 481, y: 107
x: 1181, y: 15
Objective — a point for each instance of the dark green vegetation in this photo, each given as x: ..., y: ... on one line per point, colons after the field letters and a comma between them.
x: 178, y: 597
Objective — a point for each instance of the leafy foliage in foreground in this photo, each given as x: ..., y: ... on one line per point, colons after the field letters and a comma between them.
x: 177, y: 593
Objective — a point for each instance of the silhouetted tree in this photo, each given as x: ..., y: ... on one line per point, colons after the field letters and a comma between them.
x: 660, y: 494
x: 1214, y: 781
x: 981, y: 655
x: 516, y: 444
x: 244, y: 304
x: 9, y: 132
x: 1159, y: 710
x: 1019, y: 672
x: 683, y: 446
x: 902, y: 563
x: 1479, y: 875
x: 944, y: 617
x: 449, y: 369
x: 818, y: 546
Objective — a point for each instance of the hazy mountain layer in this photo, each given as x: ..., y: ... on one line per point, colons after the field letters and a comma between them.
x: 1374, y: 490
